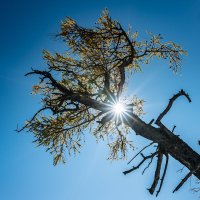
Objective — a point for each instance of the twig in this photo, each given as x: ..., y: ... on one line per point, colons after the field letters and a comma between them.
x: 151, y: 121
x: 182, y: 181
x: 140, y: 152
x: 148, y: 165
x: 143, y: 160
x: 185, y: 179
x: 180, y: 170
x: 173, y: 128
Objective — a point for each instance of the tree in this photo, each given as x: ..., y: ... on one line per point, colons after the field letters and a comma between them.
x: 82, y: 90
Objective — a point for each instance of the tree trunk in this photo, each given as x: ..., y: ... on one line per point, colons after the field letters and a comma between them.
x: 171, y: 143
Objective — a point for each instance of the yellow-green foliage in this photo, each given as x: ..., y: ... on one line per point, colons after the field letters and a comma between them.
x: 94, y: 67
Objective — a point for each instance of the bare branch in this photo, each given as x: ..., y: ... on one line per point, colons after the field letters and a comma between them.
x: 157, y: 173
x: 151, y: 160
x: 182, y: 182
x: 151, y: 122
x: 164, y: 173
x: 142, y: 161
x: 140, y: 152
x: 171, y: 101
x: 181, y: 170
x: 185, y: 179
x: 173, y: 128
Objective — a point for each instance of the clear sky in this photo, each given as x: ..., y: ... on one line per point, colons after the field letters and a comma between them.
x: 26, y: 172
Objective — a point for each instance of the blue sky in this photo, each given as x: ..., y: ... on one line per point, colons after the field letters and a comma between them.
x: 26, y: 172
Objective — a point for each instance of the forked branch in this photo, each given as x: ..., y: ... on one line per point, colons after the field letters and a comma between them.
x: 171, y: 101
x: 141, y: 162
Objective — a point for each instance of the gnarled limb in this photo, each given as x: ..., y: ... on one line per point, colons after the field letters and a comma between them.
x: 171, y: 144
x: 171, y: 101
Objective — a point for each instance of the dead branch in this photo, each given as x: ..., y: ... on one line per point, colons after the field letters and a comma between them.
x: 140, y: 152
x: 142, y: 161
x: 182, y: 182
x: 185, y: 179
x: 157, y: 173
x: 151, y: 160
x: 171, y: 101
x: 164, y: 173
x: 151, y: 122
x: 173, y: 128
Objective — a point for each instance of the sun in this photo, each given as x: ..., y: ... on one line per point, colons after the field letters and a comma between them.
x: 118, y: 108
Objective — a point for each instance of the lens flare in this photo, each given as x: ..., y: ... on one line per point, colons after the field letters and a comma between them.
x: 118, y: 108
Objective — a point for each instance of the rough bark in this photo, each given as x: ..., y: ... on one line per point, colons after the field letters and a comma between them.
x: 172, y: 144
